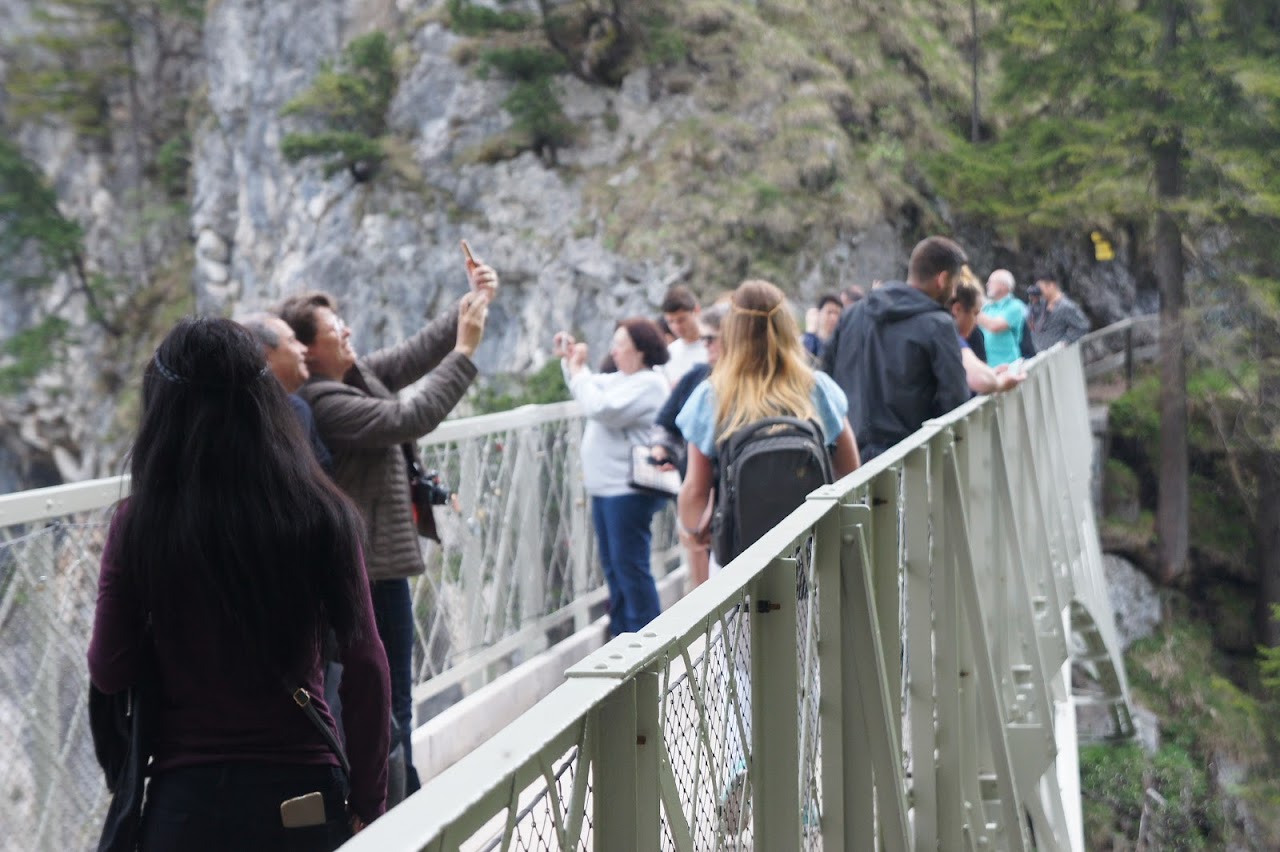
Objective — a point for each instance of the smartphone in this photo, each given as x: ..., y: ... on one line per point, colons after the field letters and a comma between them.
x: 303, y: 811
x: 471, y: 260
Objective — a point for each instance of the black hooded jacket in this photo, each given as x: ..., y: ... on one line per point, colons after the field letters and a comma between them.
x: 896, y: 355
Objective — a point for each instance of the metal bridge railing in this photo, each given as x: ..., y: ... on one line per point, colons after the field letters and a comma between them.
x: 1121, y: 346
x: 518, y: 563
x: 887, y: 668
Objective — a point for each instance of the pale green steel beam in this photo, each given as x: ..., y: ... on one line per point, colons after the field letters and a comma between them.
x: 920, y: 695
x: 775, y: 760
x: 870, y: 686
x: 961, y: 562
x: 844, y: 817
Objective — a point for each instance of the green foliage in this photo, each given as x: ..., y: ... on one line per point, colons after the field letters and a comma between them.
x: 30, y: 221
x: 341, y: 149
x: 470, y: 19
x: 1205, y: 719
x: 1113, y: 784
x: 1121, y: 481
x: 349, y: 101
x: 26, y: 353
x: 538, y: 120
x: 1178, y: 675
x: 539, y: 388
x: 664, y: 43
x: 523, y: 64
x: 172, y: 165
x: 1269, y: 660
x: 81, y: 56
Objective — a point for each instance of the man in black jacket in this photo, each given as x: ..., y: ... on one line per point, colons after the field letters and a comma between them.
x: 896, y: 353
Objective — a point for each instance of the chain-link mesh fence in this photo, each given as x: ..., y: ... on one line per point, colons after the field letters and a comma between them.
x: 544, y: 811
x: 53, y: 795
x: 807, y: 634
x: 705, y: 718
x: 516, y: 544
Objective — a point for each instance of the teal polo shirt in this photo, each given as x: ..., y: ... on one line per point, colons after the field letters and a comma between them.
x: 1003, y: 347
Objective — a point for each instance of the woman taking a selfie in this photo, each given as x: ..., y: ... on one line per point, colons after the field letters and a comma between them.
x: 223, y: 571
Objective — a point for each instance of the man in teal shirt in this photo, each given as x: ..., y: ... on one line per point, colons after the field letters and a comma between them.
x: 1003, y: 320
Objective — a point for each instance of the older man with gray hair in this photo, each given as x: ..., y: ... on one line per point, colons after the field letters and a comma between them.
x: 1003, y: 320
x: 287, y: 358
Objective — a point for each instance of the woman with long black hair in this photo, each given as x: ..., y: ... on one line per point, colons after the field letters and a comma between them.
x: 225, y: 568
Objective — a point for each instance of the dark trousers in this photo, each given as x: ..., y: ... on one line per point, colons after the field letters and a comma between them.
x: 393, y: 610
x: 622, y: 532
x: 236, y: 806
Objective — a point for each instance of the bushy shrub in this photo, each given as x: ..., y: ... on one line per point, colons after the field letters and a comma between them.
x: 348, y: 100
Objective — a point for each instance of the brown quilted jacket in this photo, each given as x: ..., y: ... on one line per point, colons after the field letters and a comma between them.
x: 363, y: 423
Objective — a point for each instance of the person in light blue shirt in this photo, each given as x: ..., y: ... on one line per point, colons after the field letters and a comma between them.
x: 1003, y: 320
x: 763, y: 372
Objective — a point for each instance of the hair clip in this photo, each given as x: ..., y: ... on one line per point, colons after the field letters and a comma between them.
x: 166, y: 373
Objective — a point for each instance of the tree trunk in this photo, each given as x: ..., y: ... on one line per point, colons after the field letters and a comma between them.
x: 1172, y: 503
x: 1173, y: 500
x: 975, y: 121
x: 1266, y: 528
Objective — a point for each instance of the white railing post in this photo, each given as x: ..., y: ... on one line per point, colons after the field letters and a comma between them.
x: 949, y: 731
x: 615, y: 768
x: 847, y: 810
x: 919, y: 565
x: 775, y: 736
x: 866, y: 686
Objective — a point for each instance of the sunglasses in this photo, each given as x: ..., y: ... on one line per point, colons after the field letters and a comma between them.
x: 709, y: 338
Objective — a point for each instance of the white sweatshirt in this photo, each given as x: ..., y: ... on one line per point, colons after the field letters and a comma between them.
x: 620, y: 409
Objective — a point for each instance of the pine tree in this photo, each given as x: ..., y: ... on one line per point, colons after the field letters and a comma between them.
x: 1149, y: 112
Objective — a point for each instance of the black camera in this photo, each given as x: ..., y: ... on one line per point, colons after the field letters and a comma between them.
x: 437, y: 494
x: 426, y: 488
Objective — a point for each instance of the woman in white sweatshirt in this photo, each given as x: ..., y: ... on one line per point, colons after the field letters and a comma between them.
x: 620, y: 408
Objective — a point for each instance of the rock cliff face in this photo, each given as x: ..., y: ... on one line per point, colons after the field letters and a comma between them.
x: 389, y: 249
x: 771, y: 140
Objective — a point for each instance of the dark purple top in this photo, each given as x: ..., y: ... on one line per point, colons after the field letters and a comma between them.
x: 211, y: 713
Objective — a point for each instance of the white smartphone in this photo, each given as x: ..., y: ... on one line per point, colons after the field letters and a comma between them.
x: 303, y: 811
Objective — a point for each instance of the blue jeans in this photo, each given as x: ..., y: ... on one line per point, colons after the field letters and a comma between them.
x: 393, y: 611
x: 237, y: 806
x: 622, y: 531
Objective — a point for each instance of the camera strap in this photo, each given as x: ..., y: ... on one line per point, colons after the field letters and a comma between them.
x: 303, y: 699
x: 411, y: 464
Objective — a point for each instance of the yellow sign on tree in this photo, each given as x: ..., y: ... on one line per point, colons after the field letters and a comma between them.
x: 1102, y: 249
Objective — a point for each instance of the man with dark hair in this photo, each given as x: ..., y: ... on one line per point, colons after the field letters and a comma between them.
x: 287, y: 358
x: 1063, y: 321
x: 896, y: 354
x: 829, y: 308
x: 680, y: 310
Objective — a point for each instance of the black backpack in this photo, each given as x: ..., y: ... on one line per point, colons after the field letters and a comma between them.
x: 766, y: 469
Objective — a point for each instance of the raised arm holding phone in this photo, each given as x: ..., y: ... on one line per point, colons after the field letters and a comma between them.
x: 372, y: 434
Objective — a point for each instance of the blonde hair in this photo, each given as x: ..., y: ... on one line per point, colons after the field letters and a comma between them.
x: 762, y: 371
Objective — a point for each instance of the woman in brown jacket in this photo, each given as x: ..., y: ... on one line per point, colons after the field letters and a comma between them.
x: 368, y: 428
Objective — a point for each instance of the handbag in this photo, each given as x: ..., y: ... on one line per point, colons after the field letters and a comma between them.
x: 647, y: 476
x: 121, y: 725
x: 422, y: 494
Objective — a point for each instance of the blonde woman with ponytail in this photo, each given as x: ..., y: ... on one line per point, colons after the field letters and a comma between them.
x: 763, y: 372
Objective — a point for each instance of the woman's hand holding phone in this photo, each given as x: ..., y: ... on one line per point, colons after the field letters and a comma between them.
x: 481, y: 276
x: 561, y: 344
